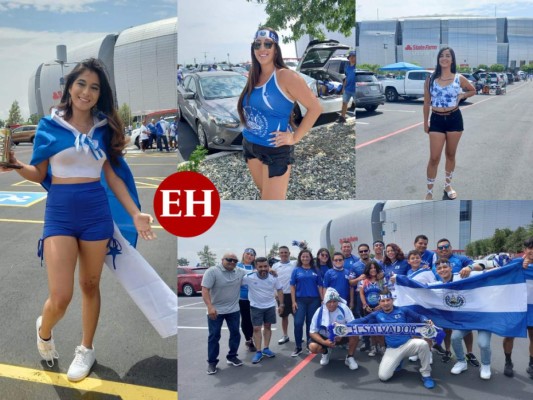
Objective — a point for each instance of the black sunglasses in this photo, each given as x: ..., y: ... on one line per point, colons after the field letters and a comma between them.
x: 231, y: 260
x: 266, y: 44
x: 363, y: 251
x: 338, y: 259
x: 443, y: 247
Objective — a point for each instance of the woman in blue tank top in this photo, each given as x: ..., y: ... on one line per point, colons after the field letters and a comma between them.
x: 265, y: 108
x: 444, y: 90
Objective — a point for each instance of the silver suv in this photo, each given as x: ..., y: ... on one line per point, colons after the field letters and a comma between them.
x: 368, y: 91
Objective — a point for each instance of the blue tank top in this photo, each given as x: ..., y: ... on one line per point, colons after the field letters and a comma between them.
x: 445, y: 96
x: 268, y: 110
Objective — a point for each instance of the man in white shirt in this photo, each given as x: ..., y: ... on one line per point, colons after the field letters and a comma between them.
x: 261, y: 289
x: 284, y: 269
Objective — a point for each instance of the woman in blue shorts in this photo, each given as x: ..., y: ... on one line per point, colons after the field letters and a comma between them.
x: 82, y: 138
x: 444, y: 89
x: 265, y: 107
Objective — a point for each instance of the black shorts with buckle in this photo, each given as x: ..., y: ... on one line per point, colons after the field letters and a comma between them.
x: 277, y: 159
x: 451, y: 121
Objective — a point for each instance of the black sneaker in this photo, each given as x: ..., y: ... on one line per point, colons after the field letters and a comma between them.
x: 529, y: 370
x: 439, y: 349
x: 365, y: 348
x: 447, y: 357
x: 251, y: 346
x: 472, y: 360
x: 297, y: 351
x: 212, y: 368
x: 234, y: 361
x: 508, y: 369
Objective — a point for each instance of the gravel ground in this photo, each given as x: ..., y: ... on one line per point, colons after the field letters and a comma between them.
x: 324, y: 168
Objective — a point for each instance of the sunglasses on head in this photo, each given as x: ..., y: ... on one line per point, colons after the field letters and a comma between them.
x: 267, y: 44
x: 231, y: 260
x: 443, y: 247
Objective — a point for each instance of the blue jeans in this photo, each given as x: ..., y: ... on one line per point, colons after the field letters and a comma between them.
x: 483, y: 341
x: 306, y: 309
x: 215, y: 326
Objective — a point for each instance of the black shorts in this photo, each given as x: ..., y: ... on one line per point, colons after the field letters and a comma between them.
x: 343, y: 340
x: 287, y: 305
x: 278, y: 159
x: 452, y: 122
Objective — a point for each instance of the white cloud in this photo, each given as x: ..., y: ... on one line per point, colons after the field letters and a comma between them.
x: 22, y: 52
x: 59, y: 6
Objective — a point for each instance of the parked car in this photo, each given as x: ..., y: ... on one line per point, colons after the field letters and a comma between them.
x: 190, y: 280
x: 368, y: 91
x: 410, y: 86
x: 208, y: 102
x: 493, y: 260
x: 23, y: 134
x: 510, y: 78
x: 471, y: 78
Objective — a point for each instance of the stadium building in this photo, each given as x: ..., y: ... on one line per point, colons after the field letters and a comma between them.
x: 401, y: 221
x: 475, y: 40
x: 140, y: 61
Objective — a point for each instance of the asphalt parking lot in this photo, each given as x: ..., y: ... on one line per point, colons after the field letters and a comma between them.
x: 285, y: 377
x: 493, y: 156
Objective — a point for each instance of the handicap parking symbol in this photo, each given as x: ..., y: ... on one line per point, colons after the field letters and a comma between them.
x: 20, y: 199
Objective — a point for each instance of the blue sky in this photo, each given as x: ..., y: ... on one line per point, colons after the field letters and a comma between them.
x: 31, y: 29
x: 243, y: 224
x: 391, y: 9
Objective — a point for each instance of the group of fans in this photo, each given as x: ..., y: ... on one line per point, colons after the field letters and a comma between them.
x: 157, y: 132
x: 342, y: 288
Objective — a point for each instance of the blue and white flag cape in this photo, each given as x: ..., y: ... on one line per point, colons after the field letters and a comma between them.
x: 151, y: 294
x: 495, y: 301
x: 528, y: 274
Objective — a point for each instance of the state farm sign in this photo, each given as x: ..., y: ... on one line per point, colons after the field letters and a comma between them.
x: 420, y: 47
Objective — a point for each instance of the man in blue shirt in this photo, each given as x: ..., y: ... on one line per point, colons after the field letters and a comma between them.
x: 153, y: 132
x: 349, y: 258
x: 161, y: 132
x: 421, y: 245
x: 399, y: 347
x: 456, y: 261
x: 348, y: 90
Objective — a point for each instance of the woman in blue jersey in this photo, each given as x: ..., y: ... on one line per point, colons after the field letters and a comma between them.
x: 248, y: 264
x: 443, y: 91
x: 82, y: 138
x: 323, y: 261
x: 265, y: 107
x: 394, y: 263
x: 306, y: 295
x: 370, y: 288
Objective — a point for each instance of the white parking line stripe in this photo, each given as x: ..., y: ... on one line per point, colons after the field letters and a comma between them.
x: 404, y: 111
x: 205, y: 327
x: 192, y: 304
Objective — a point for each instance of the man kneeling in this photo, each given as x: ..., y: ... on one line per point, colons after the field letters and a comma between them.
x: 334, y: 309
x: 399, y: 347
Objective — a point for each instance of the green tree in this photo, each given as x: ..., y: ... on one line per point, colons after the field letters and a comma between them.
x: 470, y: 250
x: 483, y: 66
x: 274, y: 250
x: 497, y: 68
x: 463, y: 69
x: 34, y: 119
x: 207, y: 257
x: 2, y: 123
x: 370, y: 67
x: 15, y: 117
x: 124, y: 113
x: 309, y: 16
x: 183, y: 262
x: 515, y: 241
x: 499, y: 238
x: 528, y: 68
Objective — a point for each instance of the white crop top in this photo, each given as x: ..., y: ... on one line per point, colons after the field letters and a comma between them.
x: 84, y: 159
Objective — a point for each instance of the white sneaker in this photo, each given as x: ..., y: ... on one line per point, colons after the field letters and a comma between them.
x: 372, y: 352
x: 485, y: 373
x: 47, y: 348
x: 325, y: 359
x: 351, y: 363
x: 459, y: 367
x: 413, y: 358
x: 81, y: 365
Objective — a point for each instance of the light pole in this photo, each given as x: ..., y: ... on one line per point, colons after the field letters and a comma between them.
x: 265, y: 239
x: 228, y: 58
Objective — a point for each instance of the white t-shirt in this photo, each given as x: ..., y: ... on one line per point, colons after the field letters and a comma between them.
x: 284, y: 271
x: 261, y: 291
x: 335, y: 316
x: 144, y: 132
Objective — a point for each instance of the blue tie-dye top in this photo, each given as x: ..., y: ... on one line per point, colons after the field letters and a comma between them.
x: 445, y: 96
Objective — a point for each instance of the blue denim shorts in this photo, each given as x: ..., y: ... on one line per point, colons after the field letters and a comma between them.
x: 80, y: 210
x: 346, y: 96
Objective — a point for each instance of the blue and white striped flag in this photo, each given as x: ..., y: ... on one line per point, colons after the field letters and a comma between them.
x: 528, y: 273
x: 495, y: 301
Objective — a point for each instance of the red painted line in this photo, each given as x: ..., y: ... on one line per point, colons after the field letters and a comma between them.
x: 379, y: 139
x: 283, y: 381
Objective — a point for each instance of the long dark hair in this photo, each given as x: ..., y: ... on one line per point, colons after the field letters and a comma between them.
x: 399, y: 254
x: 438, y: 70
x: 105, y: 104
x: 311, y: 262
x: 255, y: 72
x: 324, y: 250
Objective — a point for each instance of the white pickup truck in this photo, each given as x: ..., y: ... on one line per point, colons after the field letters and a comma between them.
x: 410, y: 86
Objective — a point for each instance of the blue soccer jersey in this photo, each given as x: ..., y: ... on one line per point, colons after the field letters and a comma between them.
x: 339, y: 281
x: 306, y: 282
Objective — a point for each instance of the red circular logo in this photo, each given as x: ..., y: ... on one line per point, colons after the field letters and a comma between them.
x: 186, y: 204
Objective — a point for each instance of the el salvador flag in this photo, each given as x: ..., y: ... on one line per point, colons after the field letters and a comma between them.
x: 495, y: 301
x: 528, y: 273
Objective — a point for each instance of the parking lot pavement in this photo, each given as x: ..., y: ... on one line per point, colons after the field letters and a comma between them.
x: 495, y: 150
x: 285, y: 377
